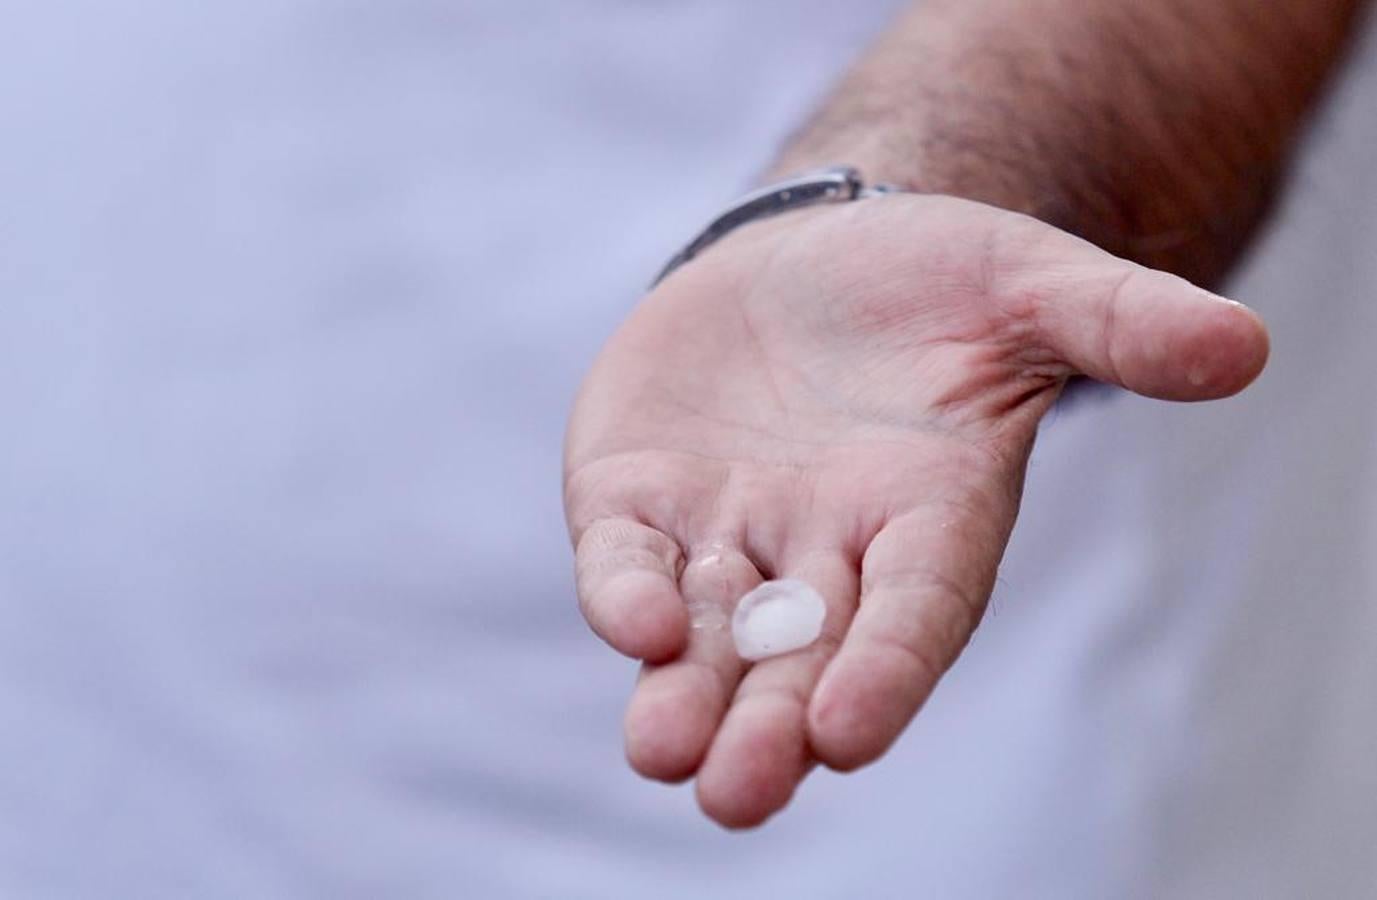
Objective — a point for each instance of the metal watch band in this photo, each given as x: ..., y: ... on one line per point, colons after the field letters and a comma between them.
x: 839, y: 184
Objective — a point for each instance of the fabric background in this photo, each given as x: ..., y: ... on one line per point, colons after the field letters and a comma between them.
x: 294, y: 296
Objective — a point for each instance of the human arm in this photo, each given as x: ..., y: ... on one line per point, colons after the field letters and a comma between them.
x: 1158, y: 131
x: 848, y: 395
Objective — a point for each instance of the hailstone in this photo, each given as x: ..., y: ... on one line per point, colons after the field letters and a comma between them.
x: 777, y: 617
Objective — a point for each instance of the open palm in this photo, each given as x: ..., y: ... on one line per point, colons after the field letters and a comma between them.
x: 847, y: 396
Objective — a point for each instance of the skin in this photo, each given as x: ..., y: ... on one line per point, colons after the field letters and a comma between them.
x: 848, y: 395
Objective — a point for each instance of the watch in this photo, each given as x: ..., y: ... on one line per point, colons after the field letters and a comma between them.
x: 838, y: 184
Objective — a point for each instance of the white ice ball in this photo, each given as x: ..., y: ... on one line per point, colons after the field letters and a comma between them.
x: 776, y: 617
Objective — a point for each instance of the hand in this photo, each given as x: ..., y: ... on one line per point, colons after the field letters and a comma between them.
x: 846, y: 395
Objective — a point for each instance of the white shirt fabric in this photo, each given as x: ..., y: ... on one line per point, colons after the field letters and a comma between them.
x: 296, y: 295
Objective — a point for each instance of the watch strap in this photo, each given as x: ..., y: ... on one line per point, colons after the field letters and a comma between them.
x: 839, y: 184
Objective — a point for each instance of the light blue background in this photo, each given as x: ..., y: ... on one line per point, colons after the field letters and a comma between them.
x: 293, y: 299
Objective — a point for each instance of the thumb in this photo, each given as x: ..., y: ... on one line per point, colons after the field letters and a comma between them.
x: 1148, y: 331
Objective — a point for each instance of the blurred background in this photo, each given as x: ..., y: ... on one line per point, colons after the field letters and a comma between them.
x: 294, y: 297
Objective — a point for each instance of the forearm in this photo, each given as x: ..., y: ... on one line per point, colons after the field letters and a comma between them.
x: 1157, y: 130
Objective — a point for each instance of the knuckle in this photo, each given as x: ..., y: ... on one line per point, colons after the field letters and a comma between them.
x: 918, y: 664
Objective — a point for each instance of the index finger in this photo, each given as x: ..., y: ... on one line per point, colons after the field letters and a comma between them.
x: 925, y: 581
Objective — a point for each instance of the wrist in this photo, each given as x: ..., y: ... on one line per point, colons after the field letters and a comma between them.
x: 1032, y: 187
x: 829, y: 186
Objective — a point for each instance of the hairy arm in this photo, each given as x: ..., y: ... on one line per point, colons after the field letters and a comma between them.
x: 848, y: 395
x: 1158, y: 131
